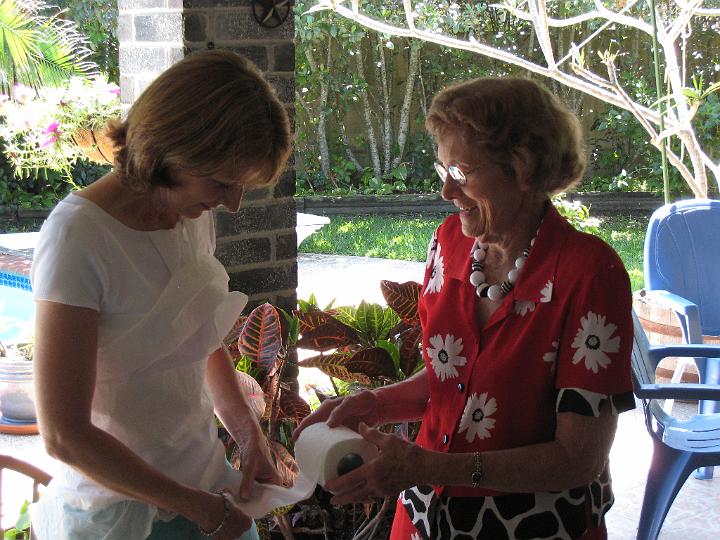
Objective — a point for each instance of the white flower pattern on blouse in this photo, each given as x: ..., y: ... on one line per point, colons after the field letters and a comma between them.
x: 436, y: 279
x: 594, y: 340
x: 546, y: 293
x: 432, y: 248
x: 522, y: 307
x: 475, y: 418
x: 551, y: 357
x: 445, y: 356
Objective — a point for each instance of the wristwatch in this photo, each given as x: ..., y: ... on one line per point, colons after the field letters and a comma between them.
x: 477, y: 474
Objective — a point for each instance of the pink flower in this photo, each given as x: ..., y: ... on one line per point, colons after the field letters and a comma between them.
x: 48, y: 142
x: 52, y: 128
x: 115, y: 90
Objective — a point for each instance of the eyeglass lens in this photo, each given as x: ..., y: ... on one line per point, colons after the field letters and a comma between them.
x: 454, y: 171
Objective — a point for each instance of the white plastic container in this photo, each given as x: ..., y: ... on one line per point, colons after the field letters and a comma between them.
x: 17, y: 395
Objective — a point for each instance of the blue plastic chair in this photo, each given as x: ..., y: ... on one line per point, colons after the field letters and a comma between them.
x: 679, y: 446
x: 681, y: 267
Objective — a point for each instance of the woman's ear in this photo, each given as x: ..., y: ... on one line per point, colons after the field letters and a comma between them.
x: 524, y: 165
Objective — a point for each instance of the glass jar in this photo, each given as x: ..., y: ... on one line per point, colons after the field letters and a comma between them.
x: 17, y: 395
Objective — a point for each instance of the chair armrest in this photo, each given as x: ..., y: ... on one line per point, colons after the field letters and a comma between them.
x: 687, y: 311
x: 685, y: 391
x: 658, y: 352
x: 10, y: 462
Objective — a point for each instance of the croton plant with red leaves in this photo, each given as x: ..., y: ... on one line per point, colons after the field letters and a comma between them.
x: 368, y: 345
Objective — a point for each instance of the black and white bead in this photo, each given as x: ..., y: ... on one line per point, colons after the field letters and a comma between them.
x: 477, y: 273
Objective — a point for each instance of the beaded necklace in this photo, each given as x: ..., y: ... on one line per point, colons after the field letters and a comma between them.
x: 477, y: 272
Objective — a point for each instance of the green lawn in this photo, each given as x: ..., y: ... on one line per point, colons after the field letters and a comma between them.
x: 406, y: 238
x: 627, y: 236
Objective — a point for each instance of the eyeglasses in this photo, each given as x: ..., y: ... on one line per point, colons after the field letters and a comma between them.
x: 455, y: 173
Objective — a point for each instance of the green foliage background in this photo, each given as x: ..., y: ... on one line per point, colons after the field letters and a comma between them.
x: 95, y: 22
x: 621, y: 156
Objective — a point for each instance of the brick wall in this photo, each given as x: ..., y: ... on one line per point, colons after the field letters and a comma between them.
x: 258, y: 244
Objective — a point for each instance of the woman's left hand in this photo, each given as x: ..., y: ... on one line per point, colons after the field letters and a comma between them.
x: 399, y: 466
x: 257, y: 463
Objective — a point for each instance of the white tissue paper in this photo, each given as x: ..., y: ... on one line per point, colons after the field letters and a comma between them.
x: 318, y: 452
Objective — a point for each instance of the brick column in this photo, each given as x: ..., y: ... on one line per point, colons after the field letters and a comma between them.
x: 258, y: 244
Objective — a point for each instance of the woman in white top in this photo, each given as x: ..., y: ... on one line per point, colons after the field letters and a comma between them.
x: 132, y: 307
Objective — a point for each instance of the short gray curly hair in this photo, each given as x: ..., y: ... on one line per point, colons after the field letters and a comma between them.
x: 517, y: 124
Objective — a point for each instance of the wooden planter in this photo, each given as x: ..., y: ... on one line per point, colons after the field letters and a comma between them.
x: 662, y: 326
x: 96, y: 145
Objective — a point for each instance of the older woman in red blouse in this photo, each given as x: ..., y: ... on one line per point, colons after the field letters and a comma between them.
x: 527, y: 336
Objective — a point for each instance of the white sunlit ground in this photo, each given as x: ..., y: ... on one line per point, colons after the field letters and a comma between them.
x: 695, y: 514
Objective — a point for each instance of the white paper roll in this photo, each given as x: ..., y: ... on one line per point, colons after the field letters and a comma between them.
x: 318, y: 451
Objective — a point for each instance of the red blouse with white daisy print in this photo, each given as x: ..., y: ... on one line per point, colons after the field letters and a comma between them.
x: 560, y: 341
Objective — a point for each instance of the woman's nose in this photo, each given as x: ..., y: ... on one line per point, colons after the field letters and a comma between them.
x: 449, y: 189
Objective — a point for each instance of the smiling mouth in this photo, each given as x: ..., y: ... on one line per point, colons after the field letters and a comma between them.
x: 467, y: 209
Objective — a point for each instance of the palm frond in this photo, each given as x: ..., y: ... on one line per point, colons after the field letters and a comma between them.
x: 39, y: 50
x: 19, y: 33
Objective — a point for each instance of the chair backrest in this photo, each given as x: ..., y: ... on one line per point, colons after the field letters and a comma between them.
x: 682, y: 255
x: 643, y: 372
x: 38, y: 475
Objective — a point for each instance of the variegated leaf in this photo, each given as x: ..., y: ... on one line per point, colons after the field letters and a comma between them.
x: 309, y: 320
x: 403, y: 298
x: 374, y: 362
x: 261, y: 337
x: 331, y: 335
x: 292, y: 405
x: 410, y: 349
x: 271, y: 388
x: 390, y: 321
x: 286, y: 465
x: 331, y: 364
x: 231, y: 340
x: 346, y: 315
x: 370, y: 319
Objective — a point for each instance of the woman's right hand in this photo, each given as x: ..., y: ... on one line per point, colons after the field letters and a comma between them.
x: 349, y: 411
x: 213, y: 511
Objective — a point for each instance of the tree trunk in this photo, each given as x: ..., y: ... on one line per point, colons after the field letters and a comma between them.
x: 321, y: 126
x: 367, y: 115
x: 403, y: 126
x: 386, y: 109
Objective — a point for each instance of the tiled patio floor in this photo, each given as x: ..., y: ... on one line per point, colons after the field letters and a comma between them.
x: 694, y: 516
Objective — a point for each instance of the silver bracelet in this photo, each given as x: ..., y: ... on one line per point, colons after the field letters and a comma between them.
x: 226, y: 514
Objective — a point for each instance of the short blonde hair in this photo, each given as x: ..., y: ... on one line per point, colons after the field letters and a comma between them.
x: 212, y: 112
x: 517, y: 124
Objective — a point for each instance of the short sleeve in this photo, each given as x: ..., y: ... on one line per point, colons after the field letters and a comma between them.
x: 593, y: 362
x: 66, y: 265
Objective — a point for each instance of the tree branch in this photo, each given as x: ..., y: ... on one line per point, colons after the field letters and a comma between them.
x: 485, y: 50
x: 601, y: 12
x: 677, y: 119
